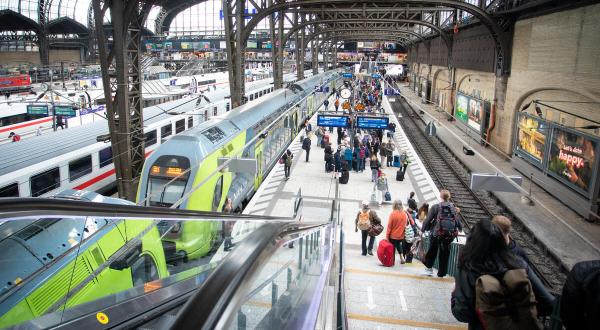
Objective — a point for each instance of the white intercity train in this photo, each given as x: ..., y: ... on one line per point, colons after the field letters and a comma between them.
x: 74, y: 159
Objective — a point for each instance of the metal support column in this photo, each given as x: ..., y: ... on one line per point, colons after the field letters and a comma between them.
x: 301, y: 51
x: 123, y: 87
x: 335, y: 49
x: 233, y: 20
x: 315, y: 56
x: 274, y: 47
x: 280, y: 47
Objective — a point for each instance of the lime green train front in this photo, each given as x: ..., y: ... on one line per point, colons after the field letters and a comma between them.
x: 185, y: 167
x: 54, y: 263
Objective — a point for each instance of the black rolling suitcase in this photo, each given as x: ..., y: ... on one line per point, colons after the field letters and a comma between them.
x: 355, y: 164
x: 345, y: 177
x: 399, y: 175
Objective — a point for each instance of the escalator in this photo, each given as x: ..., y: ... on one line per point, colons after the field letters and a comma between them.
x: 275, y: 276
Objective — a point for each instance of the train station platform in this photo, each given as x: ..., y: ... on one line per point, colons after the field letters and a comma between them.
x: 376, y: 297
x: 566, y: 234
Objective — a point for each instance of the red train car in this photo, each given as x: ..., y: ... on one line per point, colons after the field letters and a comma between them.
x: 16, y: 83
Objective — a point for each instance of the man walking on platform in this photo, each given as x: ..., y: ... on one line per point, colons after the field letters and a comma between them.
x: 306, y: 146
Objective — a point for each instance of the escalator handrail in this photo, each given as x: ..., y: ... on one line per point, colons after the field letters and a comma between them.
x: 224, y: 291
x: 48, y: 207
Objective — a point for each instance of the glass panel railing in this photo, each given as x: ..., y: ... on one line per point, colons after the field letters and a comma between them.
x: 56, y: 269
x: 287, y: 291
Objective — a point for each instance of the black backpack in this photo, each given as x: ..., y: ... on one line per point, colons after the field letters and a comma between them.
x: 446, y: 221
x: 306, y: 144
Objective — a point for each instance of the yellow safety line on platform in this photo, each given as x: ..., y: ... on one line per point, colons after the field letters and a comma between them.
x: 415, y: 277
x: 410, y: 323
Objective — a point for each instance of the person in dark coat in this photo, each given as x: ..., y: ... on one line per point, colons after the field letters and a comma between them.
x: 486, y: 252
x: 306, y: 146
x: 580, y: 301
x: 328, y: 157
x: 337, y: 158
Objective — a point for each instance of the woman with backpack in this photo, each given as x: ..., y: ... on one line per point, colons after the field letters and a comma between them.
x: 396, y: 227
x: 367, y: 219
x: 480, y: 298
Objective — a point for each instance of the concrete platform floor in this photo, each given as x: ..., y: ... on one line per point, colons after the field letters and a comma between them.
x: 377, y: 297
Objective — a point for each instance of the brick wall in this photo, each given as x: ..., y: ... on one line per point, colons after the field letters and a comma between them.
x: 555, y: 57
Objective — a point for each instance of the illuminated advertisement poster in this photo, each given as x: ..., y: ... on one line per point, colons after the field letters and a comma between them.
x: 150, y: 46
x: 531, y: 138
x: 251, y: 44
x: 475, y: 114
x: 186, y: 45
x: 222, y: 45
x: 462, y: 105
x: 572, y: 159
x: 168, y: 45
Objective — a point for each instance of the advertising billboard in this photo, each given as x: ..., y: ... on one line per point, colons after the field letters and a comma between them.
x: 572, y: 159
x: 462, y: 105
x: 531, y: 138
x: 251, y: 44
x: 475, y: 114
x: 186, y: 45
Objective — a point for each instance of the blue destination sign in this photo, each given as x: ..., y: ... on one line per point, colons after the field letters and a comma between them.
x: 64, y: 111
x: 347, y: 75
x: 37, y: 109
x: 332, y: 121
x: 372, y: 122
x: 375, y: 76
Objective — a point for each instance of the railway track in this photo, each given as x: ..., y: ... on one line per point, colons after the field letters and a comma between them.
x: 448, y: 172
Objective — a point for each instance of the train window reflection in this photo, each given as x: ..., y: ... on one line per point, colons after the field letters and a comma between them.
x: 150, y: 138
x: 12, y: 190
x: 179, y: 126
x: 44, y: 182
x: 166, y: 130
x: 144, y: 270
x: 162, y: 193
x: 80, y: 167
x: 105, y: 156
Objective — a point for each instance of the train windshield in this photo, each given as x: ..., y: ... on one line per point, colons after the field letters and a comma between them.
x: 167, y: 180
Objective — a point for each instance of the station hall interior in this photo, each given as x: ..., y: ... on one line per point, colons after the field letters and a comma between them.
x: 299, y: 164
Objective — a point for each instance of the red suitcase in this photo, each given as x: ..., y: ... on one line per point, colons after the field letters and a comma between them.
x: 385, y: 253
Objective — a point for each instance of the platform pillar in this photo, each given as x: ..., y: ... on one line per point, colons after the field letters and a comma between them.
x: 234, y: 22
x: 123, y: 87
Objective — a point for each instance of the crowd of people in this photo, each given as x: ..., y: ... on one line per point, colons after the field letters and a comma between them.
x: 495, y: 286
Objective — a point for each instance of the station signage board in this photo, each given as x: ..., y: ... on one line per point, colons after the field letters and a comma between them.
x: 372, y: 122
x: 376, y: 76
x: 332, y: 121
x: 61, y: 110
x: 33, y: 109
x: 348, y: 75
